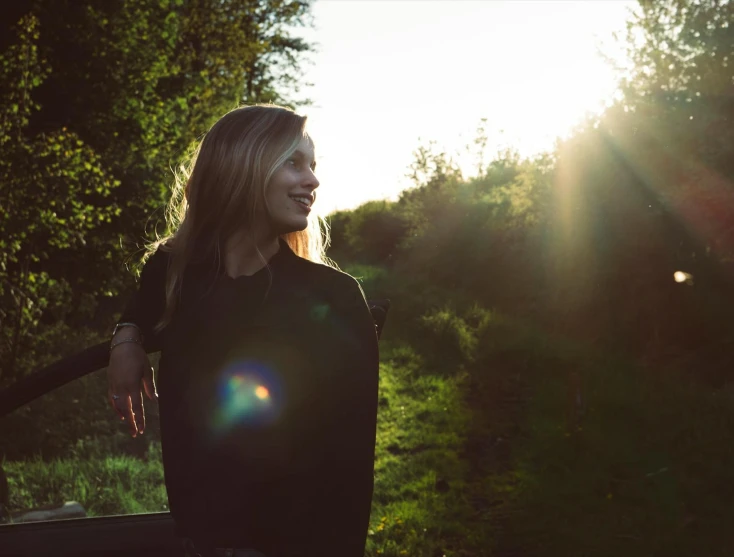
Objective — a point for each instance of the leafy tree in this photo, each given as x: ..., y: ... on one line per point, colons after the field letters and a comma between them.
x: 54, y: 197
x: 679, y: 91
x: 680, y: 48
x: 436, y: 177
x: 374, y: 232
x: 156, y: 74
x: 99, y: 100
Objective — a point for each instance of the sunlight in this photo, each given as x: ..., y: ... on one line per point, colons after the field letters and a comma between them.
x: 383, y: 83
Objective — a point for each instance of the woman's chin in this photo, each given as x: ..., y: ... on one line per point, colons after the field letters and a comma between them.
x: 294, y: 225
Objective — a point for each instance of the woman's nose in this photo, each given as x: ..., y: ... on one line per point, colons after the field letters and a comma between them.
x: 313, y: 181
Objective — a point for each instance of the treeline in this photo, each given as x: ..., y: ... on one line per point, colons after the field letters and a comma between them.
x: 98, y: 101
x: 564, y: 293
x: 621, y: 239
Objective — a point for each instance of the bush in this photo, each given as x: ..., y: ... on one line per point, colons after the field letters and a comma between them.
x: 452, y: 339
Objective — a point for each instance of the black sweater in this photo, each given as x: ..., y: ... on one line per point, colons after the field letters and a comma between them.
x: 268, y: 405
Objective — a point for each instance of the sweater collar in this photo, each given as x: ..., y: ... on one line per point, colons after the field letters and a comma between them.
x: 282, y: 259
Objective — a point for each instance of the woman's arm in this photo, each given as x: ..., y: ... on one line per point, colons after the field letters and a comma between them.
x: 146, y: 306
x: 129, y: 371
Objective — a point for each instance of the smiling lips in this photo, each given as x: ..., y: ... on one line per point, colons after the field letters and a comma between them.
x: 303, y: 200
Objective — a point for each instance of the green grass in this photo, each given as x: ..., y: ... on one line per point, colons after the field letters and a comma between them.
x: 420, y: 478
x: 647, y: 469
x: 421, y: 425
x: 104, y: 486
x: 500, y: 457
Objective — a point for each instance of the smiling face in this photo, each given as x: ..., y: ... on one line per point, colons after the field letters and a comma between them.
x: 292, y: 191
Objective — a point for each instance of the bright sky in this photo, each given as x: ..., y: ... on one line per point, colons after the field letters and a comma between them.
x: 390, y: 75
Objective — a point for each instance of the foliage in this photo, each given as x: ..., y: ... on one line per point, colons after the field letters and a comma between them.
x: 679, y: 48
x: 679, y: 90
x: 548, y: 385
x: 370, y: 234
x: 104, y: 485
x: 642, y: 471
x: 451, y: 340
x: 38, y: 240
x: 157, y: 75
x: 85, y: 162
x: 436, y: 177
x: 73, y: 421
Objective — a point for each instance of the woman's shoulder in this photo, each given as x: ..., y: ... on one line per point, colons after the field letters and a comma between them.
x: 325, y: 274
x: 339, y: 286
x: 163, y: 254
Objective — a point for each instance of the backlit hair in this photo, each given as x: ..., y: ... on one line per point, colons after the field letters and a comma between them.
x: 222, y: 188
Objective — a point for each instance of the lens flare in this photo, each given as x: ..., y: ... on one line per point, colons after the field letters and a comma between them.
x: 250, y: 394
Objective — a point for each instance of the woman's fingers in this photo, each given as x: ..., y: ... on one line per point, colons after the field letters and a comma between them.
x: 130, y: 408
x: 116, y: 404
x: 128, y: 374
x: 129, y: 416
x: 149, y: 384
x: 136, y: 405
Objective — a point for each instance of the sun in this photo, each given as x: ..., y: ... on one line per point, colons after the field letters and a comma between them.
x: 415, y: 71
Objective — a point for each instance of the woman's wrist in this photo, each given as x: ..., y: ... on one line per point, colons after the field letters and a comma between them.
x: 124, y: 349
x: 126, y: 327
x: 127, y: 340
x: 125, y: 334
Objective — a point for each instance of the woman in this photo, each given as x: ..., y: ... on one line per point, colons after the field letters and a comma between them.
x: 268, y: 373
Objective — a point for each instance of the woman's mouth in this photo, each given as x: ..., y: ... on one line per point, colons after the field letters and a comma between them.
x: 303, y: 201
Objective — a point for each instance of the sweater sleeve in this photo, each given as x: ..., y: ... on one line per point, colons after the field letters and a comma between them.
x: 352, y: 416
x: 146, y: 306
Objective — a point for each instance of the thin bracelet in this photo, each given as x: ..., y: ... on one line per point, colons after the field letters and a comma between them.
x: 123, y: 341
x: 121, y: 325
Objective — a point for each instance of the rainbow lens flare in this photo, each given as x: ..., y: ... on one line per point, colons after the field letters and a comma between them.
x: 249, y: 394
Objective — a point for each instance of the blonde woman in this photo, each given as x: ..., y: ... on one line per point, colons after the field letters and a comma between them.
x: 268, y: 375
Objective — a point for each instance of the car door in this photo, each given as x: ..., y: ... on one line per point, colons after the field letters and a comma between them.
x: 56, y: 391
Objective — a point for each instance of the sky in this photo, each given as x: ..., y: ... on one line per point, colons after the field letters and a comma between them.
x: 391, y: 75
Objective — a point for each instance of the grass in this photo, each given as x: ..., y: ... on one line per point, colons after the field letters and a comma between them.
x: 420, y: 477
x: 107, y: 485
x: 536, y: 448
x: 647, y: 469
x: 419, y: 505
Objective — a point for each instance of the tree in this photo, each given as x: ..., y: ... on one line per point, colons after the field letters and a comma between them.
x: 679, y: 48
x: 99, y: 100
x: 373, y: 232
x: 680, y: 90
x: 156, y: 74
x: 53, y: 198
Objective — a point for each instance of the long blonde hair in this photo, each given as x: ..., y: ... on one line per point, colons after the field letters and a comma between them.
x: 223, y: 185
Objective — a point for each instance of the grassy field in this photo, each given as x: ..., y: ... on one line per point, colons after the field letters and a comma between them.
x: 535, y: 449
x: 418, y: 507
x: 643, y: 466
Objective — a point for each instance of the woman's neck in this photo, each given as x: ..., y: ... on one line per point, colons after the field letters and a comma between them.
x: 241, y: 255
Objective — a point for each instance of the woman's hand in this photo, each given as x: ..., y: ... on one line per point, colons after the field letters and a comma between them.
x: 128, y: 374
